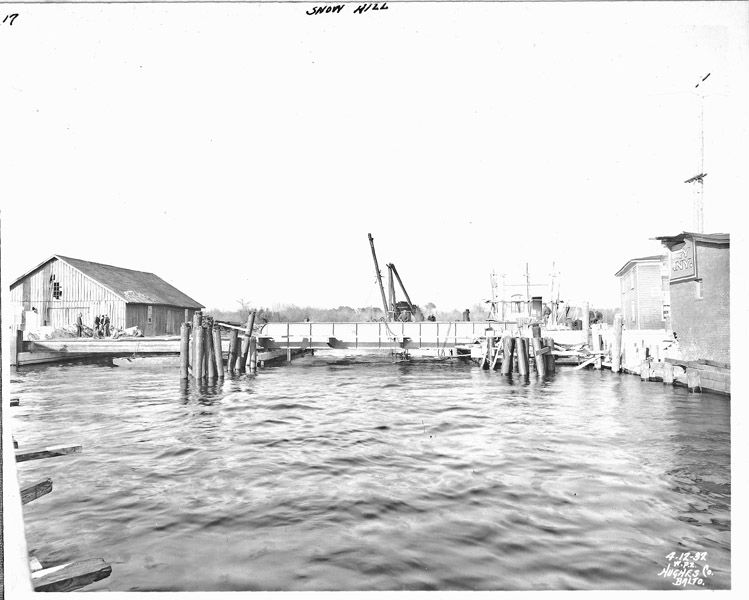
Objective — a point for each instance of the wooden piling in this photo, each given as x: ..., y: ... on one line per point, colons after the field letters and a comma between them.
x: 694, y: 384
x: 218, y: 351
x: 596, y: 347
x: 550, y: 358
x: 616, y: 349
x: 538, y: 351
x: 508, y: 348
x: 194, y: 334
x: 197, y: 369
x: 184, y: 351
x: 645, y: 370
x: 253, y: 354
x: 233, y: 343
x: 668, y: 373
x: 211, y: 352
x: 522, y: 346
x: 586, y: 317
x: 245, y: 348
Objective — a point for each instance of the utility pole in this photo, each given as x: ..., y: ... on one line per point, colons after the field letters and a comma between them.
x: 527, y: 289
x: 698, y: 180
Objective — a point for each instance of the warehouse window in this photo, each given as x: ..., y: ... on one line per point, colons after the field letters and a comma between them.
x: 56, y: 290
x: 150, y: 314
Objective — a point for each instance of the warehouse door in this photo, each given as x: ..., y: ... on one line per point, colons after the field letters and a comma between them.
x: 149, y: 322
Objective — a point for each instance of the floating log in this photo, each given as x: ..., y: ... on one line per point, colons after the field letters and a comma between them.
x: 585, y: 363
x: 538, y: 352
x: 522, y: 345
x: 184, y: 351
x: 36, y: 490
x: 70, y: 576
x: 218, y: 352
x: 15, y: 443
x: 233, y: 343
x: 15, y: 401
x: 508, y: 349
x: 51, y: 452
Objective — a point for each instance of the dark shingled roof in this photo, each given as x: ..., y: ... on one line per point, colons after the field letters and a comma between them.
x: 137, y: 287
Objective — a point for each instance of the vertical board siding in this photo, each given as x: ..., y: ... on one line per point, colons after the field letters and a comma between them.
x: 79, y: 294
x: 166, y: 320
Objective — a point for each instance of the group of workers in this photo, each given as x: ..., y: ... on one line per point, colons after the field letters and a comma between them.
x: 100, y: 328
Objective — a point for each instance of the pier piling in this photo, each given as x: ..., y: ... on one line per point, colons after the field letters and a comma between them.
x: 616, y: 349
x: 233, y: 342
x: 551, y: 361
x: 508, y: 347
x: 522, y: 346
x: 245, y: 349
x: 218, y: 350
x: 538, y: 351
x: 184, y: 351
x: 197, y: 370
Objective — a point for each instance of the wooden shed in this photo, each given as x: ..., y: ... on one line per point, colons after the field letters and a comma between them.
x: 61, y: 287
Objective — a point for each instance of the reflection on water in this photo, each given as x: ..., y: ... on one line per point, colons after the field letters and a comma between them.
x: 333, y: 473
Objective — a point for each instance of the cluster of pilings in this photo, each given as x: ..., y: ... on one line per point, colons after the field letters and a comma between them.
x: 201, y: 353
x: 514, y: 354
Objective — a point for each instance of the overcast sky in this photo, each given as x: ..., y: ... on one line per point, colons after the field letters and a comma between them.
x: 246, y: 151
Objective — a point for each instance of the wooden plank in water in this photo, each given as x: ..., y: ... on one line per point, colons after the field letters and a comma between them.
x: 36, y: 490
x: 70, y: 576
x: 34, y: 564
x: 51, y: 452
x: 15, y: 401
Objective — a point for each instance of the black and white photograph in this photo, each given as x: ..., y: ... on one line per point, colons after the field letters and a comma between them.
x: 405, y: 296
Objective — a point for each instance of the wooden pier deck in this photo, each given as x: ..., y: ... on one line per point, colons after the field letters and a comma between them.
x: 431, y: 337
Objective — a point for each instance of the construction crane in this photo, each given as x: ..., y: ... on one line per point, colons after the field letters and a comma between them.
x: 394, y: 310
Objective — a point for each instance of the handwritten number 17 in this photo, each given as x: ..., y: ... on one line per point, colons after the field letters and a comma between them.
x: 11, y: 17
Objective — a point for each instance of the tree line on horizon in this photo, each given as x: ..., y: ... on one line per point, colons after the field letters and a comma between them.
x: 342, y: 314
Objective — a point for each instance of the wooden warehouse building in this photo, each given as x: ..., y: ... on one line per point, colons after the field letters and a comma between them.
x: 61, y: 287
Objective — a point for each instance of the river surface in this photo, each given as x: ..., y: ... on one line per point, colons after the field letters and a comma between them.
x: 335, y: 473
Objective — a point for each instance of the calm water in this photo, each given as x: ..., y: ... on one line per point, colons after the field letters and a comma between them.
x: 333, y: 473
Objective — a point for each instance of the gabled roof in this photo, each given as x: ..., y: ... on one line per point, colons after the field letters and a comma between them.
x: 633, y: 261
x: 135, y: 287
x: 721, y: 239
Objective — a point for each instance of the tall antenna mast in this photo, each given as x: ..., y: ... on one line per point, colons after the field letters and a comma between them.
x: 697, y: 180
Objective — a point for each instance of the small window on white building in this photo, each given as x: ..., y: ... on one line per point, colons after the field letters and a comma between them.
x: 56, y: 290
x: 666, y: 311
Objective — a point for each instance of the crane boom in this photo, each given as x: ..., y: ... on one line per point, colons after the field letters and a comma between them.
x: 379, y: 275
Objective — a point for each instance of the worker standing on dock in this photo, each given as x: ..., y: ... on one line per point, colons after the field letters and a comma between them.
x: 106, y: 325
x: 79, y: 324
x: 96, y: 326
